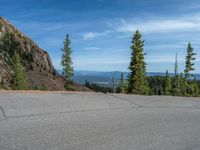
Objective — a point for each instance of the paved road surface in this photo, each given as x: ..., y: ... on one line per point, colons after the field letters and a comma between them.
x: 92, y: 121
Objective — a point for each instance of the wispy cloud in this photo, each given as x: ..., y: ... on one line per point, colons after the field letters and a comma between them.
x: 44, y: 26
x: 181, y: 45
x: 102, y: 61
x: 164, y: 59
x: 153, y: 25
x: 91, y: 48
x: 158, y: 25
x: 91, y: 35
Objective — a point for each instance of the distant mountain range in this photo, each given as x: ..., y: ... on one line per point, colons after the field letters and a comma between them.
x: 105, y: 78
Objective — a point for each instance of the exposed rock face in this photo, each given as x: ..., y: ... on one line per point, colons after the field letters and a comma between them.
x: 35, y: 60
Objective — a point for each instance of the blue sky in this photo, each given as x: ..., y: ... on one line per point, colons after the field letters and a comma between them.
x: 101, y: 30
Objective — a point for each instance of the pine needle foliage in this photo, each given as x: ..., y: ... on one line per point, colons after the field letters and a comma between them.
x: 19, y: 81
x: 137, y: 78
x: 67, y: 61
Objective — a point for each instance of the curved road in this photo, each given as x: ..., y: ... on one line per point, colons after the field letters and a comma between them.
x: 92, y: 121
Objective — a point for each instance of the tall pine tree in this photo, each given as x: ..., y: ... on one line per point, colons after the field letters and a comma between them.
x: 67, y: 61
x: 167, y: 84
x: 137, y: 78
x: 19, y: 81
x: 189, y: 65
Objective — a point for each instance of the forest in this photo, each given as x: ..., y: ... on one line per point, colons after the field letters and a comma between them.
x: 180, y: 84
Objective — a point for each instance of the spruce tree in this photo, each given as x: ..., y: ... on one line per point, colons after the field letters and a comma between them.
x: 167, y: 84
x: 189, y: 66
x: 176, y: 81
x: 196, y: 88
x: 137, y: 78
x: 19, y: 81
x: 188, y: 61
x: 183, y: 84
x: 123, y: 84
x: 67, y: 61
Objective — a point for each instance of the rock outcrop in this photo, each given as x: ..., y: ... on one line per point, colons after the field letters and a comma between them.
x: 35, y: 60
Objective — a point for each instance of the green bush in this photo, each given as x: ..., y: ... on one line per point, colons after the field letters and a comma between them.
x: 69, y: 87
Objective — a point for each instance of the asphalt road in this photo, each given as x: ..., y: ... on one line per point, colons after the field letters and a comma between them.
x: 92, y: 121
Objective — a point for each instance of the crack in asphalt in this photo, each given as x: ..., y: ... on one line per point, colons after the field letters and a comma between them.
x: 87, y: 110
x: 142, y: 106
x: 127, y: 100
x: 65, y: 112
x: 3, y: 112
x: 196, y: 106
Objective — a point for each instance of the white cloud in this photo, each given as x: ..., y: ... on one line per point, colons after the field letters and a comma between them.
x: 41, y: 26
x: 91, y: 48
x: 91, y: 35
x: 153, y: 25
x: 181, y: 45
x: 164, y: 59
x: 159, y: 25
x: 100, y: 61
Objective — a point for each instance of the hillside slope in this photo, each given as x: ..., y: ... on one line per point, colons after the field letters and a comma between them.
x: 35, y: 60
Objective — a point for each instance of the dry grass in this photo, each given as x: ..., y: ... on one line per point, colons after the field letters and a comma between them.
x: 41, y: 92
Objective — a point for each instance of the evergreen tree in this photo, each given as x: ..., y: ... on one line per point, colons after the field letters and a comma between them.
x: 156, y: 85
x: 183, y: 85
x: 176, y: 81
x: 137, y: 78
x: 167, y: 84
x: 67, y: 61
x: 19, y: 81
x: 123, y: 84
x: 196, y: 88
x: 188, y: 68
x: 188, y: 61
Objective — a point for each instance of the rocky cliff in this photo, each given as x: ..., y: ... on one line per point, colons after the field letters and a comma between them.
x: 35, y: 60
